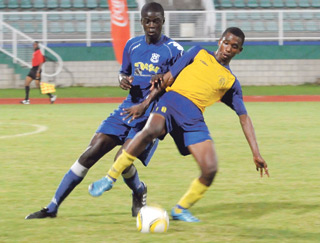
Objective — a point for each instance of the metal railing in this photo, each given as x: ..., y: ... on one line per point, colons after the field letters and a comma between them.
x: 19, y: 48
x: 94, y: 26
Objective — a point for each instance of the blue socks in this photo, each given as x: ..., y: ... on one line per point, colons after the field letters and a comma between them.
x: 71, y: 179
x: 131, y: 178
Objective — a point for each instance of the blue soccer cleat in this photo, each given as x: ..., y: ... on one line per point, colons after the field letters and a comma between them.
x: 97, y: 188
x: 183, y: 215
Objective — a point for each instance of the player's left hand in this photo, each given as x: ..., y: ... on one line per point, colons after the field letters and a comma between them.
x: 134, y: 112
x: 156, y: 81
x: 261, y: 165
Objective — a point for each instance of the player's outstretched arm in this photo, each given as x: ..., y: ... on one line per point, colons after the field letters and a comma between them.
x: 248, y: 131
x: 158, y: 85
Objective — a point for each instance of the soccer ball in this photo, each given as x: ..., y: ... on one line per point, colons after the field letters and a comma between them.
x: 152, y: 219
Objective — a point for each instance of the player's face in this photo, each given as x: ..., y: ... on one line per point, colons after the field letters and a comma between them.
x: 229, y: 46
x: 152, y: 25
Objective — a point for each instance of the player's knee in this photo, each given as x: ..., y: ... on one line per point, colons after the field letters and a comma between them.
x: 209, y: 172
x: 151, y: 133
x: 129, y: 171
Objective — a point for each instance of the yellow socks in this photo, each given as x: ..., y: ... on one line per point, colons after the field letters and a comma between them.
x: 195, y: 192
x: 123, y: 161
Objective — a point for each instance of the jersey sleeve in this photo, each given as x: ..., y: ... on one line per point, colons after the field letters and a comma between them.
x: 126, y: 61
x: 184, y: 61
x: 233, y: 98
x: 177, y: 52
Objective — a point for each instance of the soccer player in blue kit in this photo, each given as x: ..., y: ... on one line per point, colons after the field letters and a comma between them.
x: 198, y: 79
x: 143, y: 56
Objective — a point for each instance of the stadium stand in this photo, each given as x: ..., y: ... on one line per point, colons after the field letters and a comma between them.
x: 265, y: 4
x: 59, y: 4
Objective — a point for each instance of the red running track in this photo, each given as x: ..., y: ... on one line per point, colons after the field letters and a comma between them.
x: 271, y: 98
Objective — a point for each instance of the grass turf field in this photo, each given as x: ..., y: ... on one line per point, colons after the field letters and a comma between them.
x: 239, y: 207
x: 307, y: 89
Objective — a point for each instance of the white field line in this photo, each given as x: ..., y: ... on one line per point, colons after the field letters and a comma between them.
x: 39, y: 129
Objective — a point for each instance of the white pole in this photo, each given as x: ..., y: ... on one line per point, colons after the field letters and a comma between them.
x: 14, y: 46
x: 88, y: 37
x: 167, y: 24
x: 1, y: 30
x: 281, y: 28
x: 132, y: 24
x: 44, y: 28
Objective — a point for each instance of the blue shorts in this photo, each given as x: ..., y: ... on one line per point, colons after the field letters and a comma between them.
x: 184, y: 120
x: 118, y: 128
x: 115, y: 126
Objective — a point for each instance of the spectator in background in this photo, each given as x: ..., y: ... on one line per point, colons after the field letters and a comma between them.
x: 35, y: 74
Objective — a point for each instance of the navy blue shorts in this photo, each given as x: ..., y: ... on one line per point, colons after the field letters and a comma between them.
x: 184, y: 120
x: 114, y: 125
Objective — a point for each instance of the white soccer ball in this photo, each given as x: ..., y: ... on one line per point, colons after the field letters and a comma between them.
x: 152, y: 219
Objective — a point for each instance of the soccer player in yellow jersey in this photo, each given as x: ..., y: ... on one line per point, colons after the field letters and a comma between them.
x: 197, y: 80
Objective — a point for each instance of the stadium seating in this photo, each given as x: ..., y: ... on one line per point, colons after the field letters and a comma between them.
x: 96, y: 27
x: 55, y: 27
x: 132, y: 4
x: 298, y: 26
x: 312, y: 26
x: 13, y: 4
x: 278, y: 4
x: 103, y: 4
x: 80, y: 17
x: 78, y: 4
x: 25, y: 4
x: 52, y: 3
x: 68, y: 27
x: 307, y: 16
x: 28, y: 28
x: 253, y: 4
x: 92, y: 4
x: 44, y: 5
x: 54, y: 17
x: 258, y: 26
x: 304, y: 4
x: 239, y: 4
x: 2, y: 5
x: 272, y: 26
x: 269, y: 16
x: 27, y: 17
x: 38, y: 4
x: 315, y: 3
x: 226, y: 4
x: 65, y: 4
x: 265, y: 4
x: 255, y: 16
x: 291, y: 3
x: 81, y: 26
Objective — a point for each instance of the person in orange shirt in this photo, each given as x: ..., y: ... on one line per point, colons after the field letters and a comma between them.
x: 35, y: 74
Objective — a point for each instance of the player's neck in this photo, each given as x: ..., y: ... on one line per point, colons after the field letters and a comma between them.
x: 152, y: 40
x: 219, y: 59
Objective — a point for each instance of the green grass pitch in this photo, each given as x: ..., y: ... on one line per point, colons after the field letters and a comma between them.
x: 239, y: 206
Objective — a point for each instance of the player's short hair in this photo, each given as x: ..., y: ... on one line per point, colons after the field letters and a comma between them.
x: 235, y: 31
x: 154, y: 7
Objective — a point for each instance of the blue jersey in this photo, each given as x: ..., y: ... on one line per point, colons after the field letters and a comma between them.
x: 142, y: 60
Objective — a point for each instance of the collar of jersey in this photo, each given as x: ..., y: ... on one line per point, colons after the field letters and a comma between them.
x: 158, y: 42
x: 212, y: 53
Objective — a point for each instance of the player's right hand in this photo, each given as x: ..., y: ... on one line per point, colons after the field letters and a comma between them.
x: 261, y: 165
x: 125, y: 82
